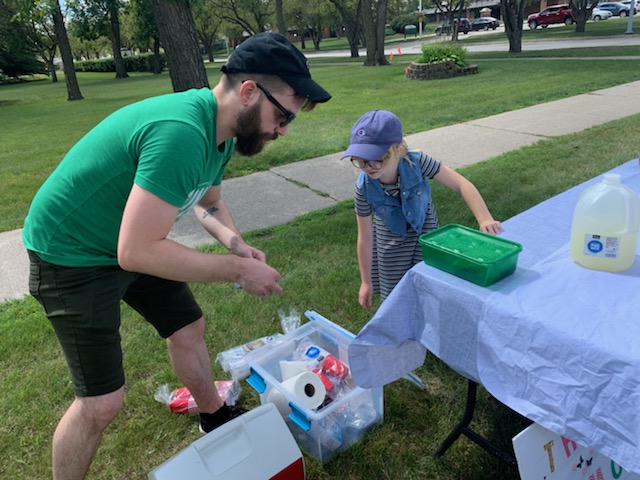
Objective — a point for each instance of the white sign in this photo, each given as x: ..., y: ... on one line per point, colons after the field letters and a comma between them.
x: 544, y: 455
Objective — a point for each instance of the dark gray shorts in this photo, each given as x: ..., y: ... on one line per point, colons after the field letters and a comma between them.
x: 83, y: 305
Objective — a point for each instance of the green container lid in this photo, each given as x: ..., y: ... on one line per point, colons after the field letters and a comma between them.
x: 473, y: 255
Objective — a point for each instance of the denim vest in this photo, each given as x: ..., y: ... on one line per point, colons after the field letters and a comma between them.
x: 415, y: 196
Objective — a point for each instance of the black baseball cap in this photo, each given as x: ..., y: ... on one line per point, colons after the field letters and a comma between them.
x: 273, y: 54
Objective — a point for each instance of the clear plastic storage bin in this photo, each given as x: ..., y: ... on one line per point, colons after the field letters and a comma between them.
x: 348, y: 412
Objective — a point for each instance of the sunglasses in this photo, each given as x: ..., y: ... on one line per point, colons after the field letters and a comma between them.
x: 288, y: 116
x: 360, y: 163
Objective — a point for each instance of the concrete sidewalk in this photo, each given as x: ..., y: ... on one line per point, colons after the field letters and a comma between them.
x: 276, y: 197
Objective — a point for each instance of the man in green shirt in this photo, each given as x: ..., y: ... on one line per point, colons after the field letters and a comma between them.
x: 96, y: 232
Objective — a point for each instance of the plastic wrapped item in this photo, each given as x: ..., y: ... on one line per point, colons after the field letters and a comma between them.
x: 181, y: 400
x: 233, y: 360
x: 331, y: 371
x: 289, y: 322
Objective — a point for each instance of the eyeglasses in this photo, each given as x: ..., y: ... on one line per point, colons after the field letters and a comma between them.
x: 360, y: 163
x: 288, y: 116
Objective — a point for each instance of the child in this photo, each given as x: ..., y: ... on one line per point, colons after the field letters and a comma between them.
x: 394, y: 184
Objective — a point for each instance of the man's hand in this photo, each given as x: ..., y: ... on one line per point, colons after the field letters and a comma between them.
x: 259, y: 279
x: 241, y: 249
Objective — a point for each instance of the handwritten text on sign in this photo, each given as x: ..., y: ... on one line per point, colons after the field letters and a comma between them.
x: 543, y: 455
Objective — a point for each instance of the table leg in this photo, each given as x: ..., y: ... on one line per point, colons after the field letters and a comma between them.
x: 463, y: 429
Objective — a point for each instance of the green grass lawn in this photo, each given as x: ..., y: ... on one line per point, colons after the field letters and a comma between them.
x: 316, y: 255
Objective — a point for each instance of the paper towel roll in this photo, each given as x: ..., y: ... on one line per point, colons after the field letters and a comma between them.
x: 307, y: 388
x: 290, y: 369
x: 280, y: 401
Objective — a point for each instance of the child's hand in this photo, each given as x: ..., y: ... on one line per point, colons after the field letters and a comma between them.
x: 491, y: 226
x: 365, y: 296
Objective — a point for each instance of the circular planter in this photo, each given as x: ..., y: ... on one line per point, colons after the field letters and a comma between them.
x: 434, y: 71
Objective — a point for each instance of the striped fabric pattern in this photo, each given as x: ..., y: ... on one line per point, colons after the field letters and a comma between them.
x: 393, y: 256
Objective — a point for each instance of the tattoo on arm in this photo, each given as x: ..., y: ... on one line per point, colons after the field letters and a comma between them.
x: 209, y: 212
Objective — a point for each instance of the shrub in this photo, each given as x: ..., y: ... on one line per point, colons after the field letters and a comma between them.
x: 443, y: 52
x: 402, y: 21
x: 132, y: 63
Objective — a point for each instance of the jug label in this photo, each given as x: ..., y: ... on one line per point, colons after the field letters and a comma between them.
x: 601, y: 246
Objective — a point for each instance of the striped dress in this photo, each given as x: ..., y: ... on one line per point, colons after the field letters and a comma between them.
x: 393, y: 256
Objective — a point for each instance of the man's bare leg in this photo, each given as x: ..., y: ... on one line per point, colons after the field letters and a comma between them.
x: 192, y: 364
x: 79, y: 432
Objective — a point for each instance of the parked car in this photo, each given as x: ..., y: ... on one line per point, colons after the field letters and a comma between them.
x: 597, y: 14
x: 618, y: 9
x: 485, y: 23
x: 464, y: 26
x: 636, y: 5
x: 551, y: 15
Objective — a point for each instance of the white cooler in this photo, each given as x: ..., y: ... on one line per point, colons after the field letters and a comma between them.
x: 254, y: 446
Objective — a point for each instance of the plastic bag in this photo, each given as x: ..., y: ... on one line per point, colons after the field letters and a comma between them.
x: 233, y: 361
x: 181, y: 400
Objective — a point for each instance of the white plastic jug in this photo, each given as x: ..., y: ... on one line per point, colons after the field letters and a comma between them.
x: 604, y: 232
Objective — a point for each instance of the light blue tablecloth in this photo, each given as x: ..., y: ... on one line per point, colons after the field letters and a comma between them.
x: 555, y: 342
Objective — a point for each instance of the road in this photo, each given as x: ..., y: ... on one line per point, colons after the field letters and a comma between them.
x: 414, y: 47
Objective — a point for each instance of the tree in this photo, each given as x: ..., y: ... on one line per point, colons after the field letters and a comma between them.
x: 582, y: 11
x: 179, y: 39
x: 17, y: 53
x: 207, y: 24
x: 36, y: 19
x: 144, y: 30
x: 512, y: 12
x: 252, y: 16
x: 374, y: 13
x: 311, y: 17
x: 280, y: 25
x: 95, y: 18
x: 350, y: 11
x: 113, y: 7
x: 452, y: 11
x: 73, y: 89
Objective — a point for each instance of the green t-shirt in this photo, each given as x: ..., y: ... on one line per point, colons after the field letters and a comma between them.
x: 166, y: 145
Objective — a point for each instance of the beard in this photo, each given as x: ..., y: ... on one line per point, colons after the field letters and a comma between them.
x: 250, y: 139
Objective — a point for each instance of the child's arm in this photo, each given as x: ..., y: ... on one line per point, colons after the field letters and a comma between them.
x: 468, y: 191
x: 365, y: 257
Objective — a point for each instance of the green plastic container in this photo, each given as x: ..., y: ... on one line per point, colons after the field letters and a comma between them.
x: 470, y: 254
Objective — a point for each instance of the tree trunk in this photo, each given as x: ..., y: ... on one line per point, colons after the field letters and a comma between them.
x: 368, y: 30
x: 121, y: 71
x: 73, y: 89
x: 512, y: 12
x: 157, y: 66
x: 315, y: 33
x: 370, y: 27
x: 180, y: 42
x: 280, y: 25
x: 582, y: 13
x: 52, y: 70
x: 351, y: 25
x: 381, y: 21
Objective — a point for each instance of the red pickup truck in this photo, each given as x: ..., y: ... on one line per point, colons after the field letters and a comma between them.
x: 551, y: 15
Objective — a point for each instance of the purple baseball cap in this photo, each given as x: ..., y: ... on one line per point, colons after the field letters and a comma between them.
x: 373, y: 134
